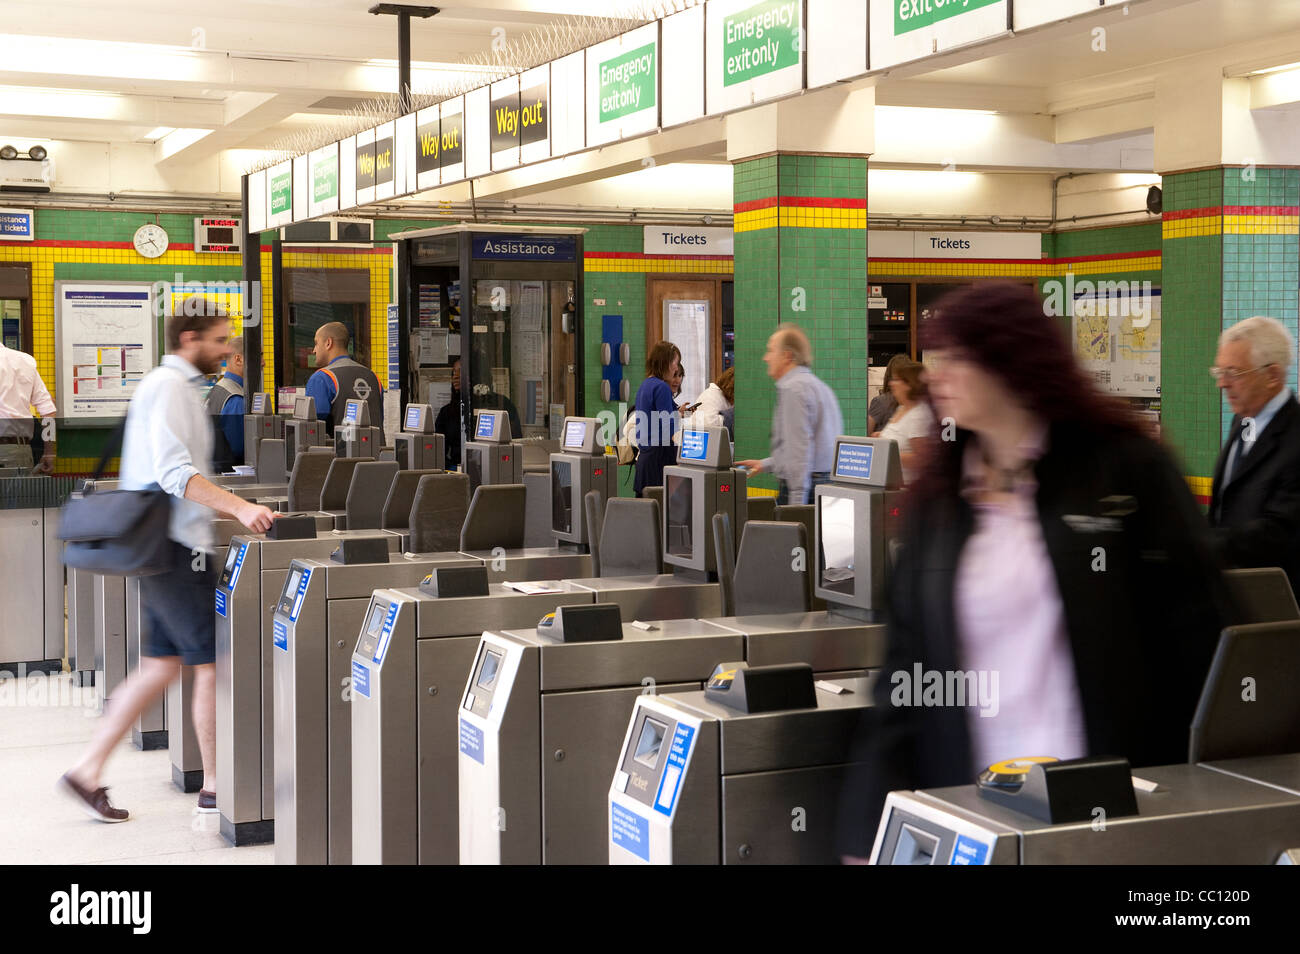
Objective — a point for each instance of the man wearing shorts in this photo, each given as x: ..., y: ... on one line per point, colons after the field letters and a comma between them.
x: 168, y: 444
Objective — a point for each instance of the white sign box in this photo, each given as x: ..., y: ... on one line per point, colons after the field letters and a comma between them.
x: 682, y: 73
x: 837, y: 40
x: 257, y: 202
x: 568, y: 103
x: 905, y: 30
x: 676, y: 240
x: 324, y: 180
x: 754, y: 51
x: 1031, y: 13
x: 623, y: 86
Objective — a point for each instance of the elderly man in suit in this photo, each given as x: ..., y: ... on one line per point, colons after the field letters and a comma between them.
x: 1255, y: 504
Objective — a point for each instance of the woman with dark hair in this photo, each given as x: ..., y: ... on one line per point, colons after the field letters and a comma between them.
x: 912, y: 423
x: 656, y: 416
x: 1050, y: 550
x: 884, y: 404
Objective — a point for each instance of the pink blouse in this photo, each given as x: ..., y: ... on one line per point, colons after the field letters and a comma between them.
x: 1011, y: 628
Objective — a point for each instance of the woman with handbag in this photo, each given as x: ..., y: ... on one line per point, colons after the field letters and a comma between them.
x: 168, y: 446
x: 656, y: 416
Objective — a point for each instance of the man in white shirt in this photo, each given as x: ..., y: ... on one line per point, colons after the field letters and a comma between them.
x: 21, y: 389
x: 168, y: 444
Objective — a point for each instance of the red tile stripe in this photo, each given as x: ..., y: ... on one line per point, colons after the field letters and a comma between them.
x: 1232, y: 210
x: 799, y: 202
x: 643, y: 255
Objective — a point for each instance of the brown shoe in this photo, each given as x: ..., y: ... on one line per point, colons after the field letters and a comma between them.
x: 207, y: 802
x: 93, y: 803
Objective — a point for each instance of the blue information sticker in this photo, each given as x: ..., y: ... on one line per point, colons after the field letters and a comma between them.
x: 854, y: 460
x: 239, y: 565
x: 412, y: 417
x: 281, y: 636
x: 386, y: 634
x: 671, y: 783
x: 361, y: 679
x: 302, y: 591
x: 487, y: 426
x: 629, y: 831
x: 968, y: 851
x: 471, y: 741
x: 695, y: 445
x: 221, y: 601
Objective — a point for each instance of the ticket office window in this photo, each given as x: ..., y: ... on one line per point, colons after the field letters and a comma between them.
x: 16, y: 307
x: 889, y: 321
x: 317, y: 296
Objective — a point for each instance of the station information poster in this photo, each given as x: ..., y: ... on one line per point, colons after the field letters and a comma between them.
x: 1116, y: 339
x: 106, y: 340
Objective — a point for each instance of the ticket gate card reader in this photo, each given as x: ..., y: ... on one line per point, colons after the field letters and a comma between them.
x: 354, y: 436
x: 857, y: 516
x: 700, y: 484
x: 250, y: 582
x: 703, y: 778
x: 409, y: 662
x: 544, y: 713
x: 580, y: 465
x: 419, y: 446
x: 260, y: 423
x: 317, y: 618
x: 302, y: 431
x: 1186, y: 814
x: 856, y: 519
x: 492, y: 457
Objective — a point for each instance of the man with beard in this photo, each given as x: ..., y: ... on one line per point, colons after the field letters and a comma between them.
x: 168, y: 444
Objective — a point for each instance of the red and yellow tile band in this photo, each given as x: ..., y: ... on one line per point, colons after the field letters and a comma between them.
x: 1018, y: 268
x: 640, y: 262
x: 793, y: 211
x: 1201, y: 488
x: 1231, y: 220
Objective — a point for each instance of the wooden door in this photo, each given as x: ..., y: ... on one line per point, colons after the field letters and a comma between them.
x: 665, y: 291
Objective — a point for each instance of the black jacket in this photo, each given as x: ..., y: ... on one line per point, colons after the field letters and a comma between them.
x: 1256, y: 518
x: 1141, y: 632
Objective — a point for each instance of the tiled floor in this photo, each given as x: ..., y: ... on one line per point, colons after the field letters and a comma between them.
x: 42, y: 732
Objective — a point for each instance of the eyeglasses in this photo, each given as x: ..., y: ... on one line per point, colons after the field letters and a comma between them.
x: 1232, y: 374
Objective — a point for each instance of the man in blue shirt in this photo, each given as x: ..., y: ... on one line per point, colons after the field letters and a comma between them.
x: 226, y: 405
x: 338, y: 376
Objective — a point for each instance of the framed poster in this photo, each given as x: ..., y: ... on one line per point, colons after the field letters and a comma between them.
x: 106, y: 340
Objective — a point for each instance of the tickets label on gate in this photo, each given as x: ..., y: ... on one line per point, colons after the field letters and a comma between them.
x: 471, y: 741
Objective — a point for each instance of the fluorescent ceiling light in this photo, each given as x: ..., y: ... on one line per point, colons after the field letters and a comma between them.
x: 1273, y: 69
x: 154, y: 135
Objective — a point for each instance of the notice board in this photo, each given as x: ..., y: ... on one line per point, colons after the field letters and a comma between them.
x: 106, y: 340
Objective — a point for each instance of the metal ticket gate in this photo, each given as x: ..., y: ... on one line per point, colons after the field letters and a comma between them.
x: 408, y: 666
x: 541, y: 720
x: 317, y: 617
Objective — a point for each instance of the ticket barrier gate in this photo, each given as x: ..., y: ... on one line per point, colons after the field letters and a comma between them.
x: 408, y: 666
x: 702, y: 483
x: 260, y: 423
x: 302, y: 431
x: 1235, y: 801
x: 543, y: 714
x: 31, y: 591
x: 250, y: 581
x: 355, y: 436
x: 492, y: 457
x: 579, y: 467
x: 317, y: 617
x: 749, y: 770
x: 493, y: 533
x: 419, y: 446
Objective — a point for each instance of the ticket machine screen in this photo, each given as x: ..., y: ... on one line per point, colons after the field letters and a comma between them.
x: 575, y: 434
x: 487, y: 427
x: 231, y: 556
x: 414, y: 418
x: 352, y: 412
x: 259, y: 403
x: 290, y: 591
x: 695, y: 445
x: 853, y: 460
x: 650, y: 742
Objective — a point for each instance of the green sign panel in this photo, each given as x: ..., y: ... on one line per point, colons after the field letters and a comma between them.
x: 325, y: 179
x: 761, y: 39
x: 912, y: 15
x: 282, y: 192
x: 627, y: 83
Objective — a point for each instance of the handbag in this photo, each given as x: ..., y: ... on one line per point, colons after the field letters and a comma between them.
x: 117, y: 532
x: 626, y: 448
